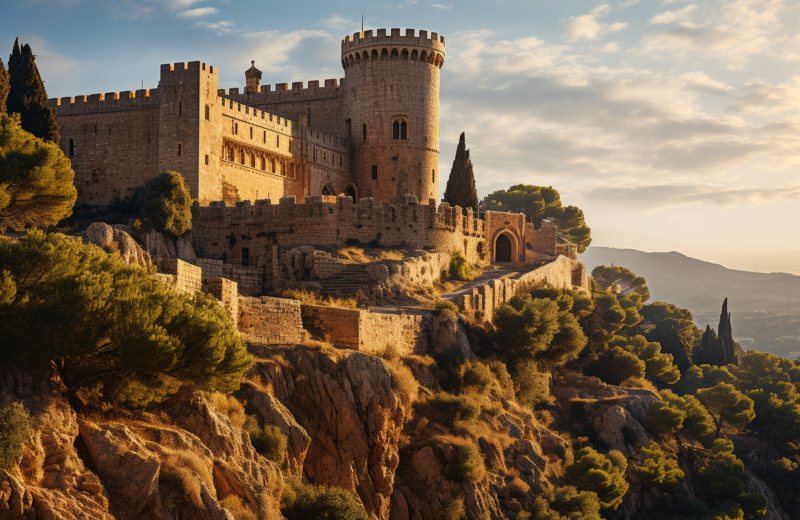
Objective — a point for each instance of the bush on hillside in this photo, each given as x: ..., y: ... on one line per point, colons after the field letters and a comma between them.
x: 269, y: 441
x: 601, y: 474
x: 465, y: 463
x: 306, y: 502
x: 565, y: 503
x: 14, y: 427
x: 453, y: 510
x: 455, y: 409
x: 459, y: 268
x: 658, y: 470
x: 531, y: 384
x: 725, y: 479
x: 112, y: 327
x: 446, y: 304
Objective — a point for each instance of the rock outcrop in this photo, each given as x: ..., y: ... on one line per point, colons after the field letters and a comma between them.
x: 112, y: 239
x: 346, y: 403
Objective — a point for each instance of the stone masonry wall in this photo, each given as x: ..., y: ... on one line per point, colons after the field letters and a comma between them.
x: 227, y: 292
x: 221, y: 231
x: 479, y: 304
x: 187, y: 278
x: 367, y: 331
x: 268, y: 320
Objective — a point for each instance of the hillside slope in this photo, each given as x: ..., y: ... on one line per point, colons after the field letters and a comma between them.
x: 765, y: 306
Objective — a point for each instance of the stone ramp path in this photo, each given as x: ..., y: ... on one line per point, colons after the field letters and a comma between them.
x: 492, y: 272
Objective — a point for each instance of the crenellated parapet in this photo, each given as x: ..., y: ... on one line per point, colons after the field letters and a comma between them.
x: 287, y: 92
x: 364, y: 47
x: 142, y: 99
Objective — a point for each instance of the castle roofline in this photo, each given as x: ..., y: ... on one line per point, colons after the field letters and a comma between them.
x: 368, y: 39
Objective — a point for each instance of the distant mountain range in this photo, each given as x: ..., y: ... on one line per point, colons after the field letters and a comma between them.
x: 765, y: 307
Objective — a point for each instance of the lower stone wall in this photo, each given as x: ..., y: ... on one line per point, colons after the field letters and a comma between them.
x: 186, y: 278
x: 367, y: 331
x: 481, y: 302
x: 227, y: 292
x: 250, y: 280
x: 272, y: 321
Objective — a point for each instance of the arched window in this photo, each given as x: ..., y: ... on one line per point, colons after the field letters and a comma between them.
x: 208, y: 112
x: 245, y: 257
x: 364, y: 132
x: 433, y: 175
x: 263, y: 163
x: 403, y: 130
x: 400, y: 128
x: 273, y: 166
x: 253, y: 160
x: 71, y: 147
x: 251, y: 132
x: 396, y: 129
x: 374, y: 172
x: 180, y: 109
x: 278, y: 141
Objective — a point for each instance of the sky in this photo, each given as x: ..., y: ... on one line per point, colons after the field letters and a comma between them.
x: 674, y: 125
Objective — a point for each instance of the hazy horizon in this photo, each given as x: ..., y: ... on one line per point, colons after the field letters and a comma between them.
x: 678, y: 121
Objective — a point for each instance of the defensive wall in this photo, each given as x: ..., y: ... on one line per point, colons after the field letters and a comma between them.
x: 223, y: 232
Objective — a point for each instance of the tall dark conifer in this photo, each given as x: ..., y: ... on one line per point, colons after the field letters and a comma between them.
x: 28, y: 97
x: 725, y: 333
x: 5, y: 85
x: 460, y: 189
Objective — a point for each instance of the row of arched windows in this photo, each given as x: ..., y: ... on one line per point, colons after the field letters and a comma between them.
x: 434, y: 58
x: 399, y: 129
x: 257, y: 161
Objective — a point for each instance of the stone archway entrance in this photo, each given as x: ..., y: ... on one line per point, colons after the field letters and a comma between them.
x: 502, y: 249
x: 350, y: 191
x: 326, y: 190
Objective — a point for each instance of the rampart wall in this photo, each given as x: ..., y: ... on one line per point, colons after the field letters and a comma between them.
x: 227, y: 292
x: 275, y: 321
x: 185, y: 278
x: 367, y: 331
x: 482, y: 300
x: 220, y: 231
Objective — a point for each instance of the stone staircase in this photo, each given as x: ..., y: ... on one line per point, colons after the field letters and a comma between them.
x: 354, y: 278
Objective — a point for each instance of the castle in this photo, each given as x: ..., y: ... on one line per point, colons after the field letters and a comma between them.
x: 374, y: 133
x: 353, y: 160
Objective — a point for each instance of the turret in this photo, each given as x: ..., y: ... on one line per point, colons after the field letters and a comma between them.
x: 253, y: 78
x: 391, y: 110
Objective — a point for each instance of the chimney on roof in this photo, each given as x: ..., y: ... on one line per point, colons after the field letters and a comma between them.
x: 253, y: 78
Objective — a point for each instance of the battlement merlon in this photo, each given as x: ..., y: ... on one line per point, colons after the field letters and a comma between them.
x: 172, y: 72
x: 255, y: 116
x: 366, y: 39
x: 141, y: 99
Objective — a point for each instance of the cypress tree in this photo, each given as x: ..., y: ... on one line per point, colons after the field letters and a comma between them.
x: 460, y: 189
x: 5, y: 85
x: 725, y: 333
x: 707, y: 353
x: 28, y: 97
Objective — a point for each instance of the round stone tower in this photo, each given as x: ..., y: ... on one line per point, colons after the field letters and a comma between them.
x: 391, y: 106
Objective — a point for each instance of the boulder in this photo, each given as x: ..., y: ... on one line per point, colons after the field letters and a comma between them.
x: 112, y: 239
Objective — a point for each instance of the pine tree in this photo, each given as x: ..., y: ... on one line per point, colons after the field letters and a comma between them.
x: 460, y: 189
x: 5, y: 85
x: 28, y: 97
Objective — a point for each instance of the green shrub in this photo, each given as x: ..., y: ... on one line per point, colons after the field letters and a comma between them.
x: 465, y: 463
x: 725, y: 479
x: 503, y: 378
x: 309, y: 502
x: 459, y: 268
x: 446, y: 304
x: 601, y: 474
x: 458, y: 374
x: 615, y: 365
x: 454, y: 510
x: 15, y: 423
x: 565, y: 503
x: 532, y: 385
x: 164, y: 204
x: 269, y: 440
x: 665, y: 416
x: 657, y: 470
x: 455, y: 408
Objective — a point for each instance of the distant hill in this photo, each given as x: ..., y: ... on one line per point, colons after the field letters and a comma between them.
x: 765, y: 306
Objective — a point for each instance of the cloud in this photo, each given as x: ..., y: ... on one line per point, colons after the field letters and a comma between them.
x: 700, y: 82
x: 337, y: 22
x: 765, y: 99
x: 628, y: 3
x: 220, y: 27
x: 175, y: 5
x: 659, y: 196
x: 440, y: 6
x: 587, y: 27
x: 58, y: 71
x: 673, y: 16
x: 199, y: 12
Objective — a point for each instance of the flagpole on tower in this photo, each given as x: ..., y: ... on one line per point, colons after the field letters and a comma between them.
x: 362, y: 25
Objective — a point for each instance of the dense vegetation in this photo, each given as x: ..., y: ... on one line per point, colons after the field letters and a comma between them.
x: 27, y: 95
x: 14, y: 427
x: 114, y: 329
x: 540, y: 203
x: 36, y: 179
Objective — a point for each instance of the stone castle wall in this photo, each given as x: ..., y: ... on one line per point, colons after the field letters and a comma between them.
x: 185, y: 278
x: 220, y: 231
x: 272, y: 321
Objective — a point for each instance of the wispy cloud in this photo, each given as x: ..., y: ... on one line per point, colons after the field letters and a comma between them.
x: 652, y: 197
x: 441, y: 6
x: 220, y: 27
x: 198, y: 13
x: 587, y: 27
x: 673, y: 16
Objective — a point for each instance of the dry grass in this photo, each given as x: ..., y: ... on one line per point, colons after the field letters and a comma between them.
x: 639, y: 383
x: 186, y: 470
x: 228, y: 405
x: 312, y: 298
x: 235, y: 507
x: 517, y: 487
x: 362, y: 255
